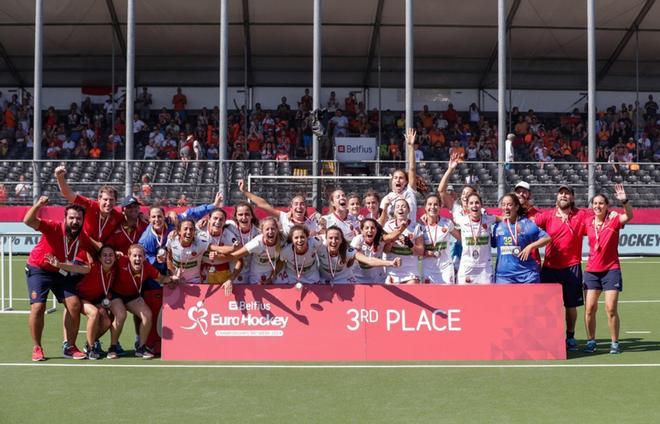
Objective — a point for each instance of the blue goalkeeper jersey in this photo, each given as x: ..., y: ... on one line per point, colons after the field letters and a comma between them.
x: 511, y: 240
x: 151, y: 242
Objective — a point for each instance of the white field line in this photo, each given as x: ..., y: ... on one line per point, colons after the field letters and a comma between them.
x: 638, y: 332
x: 326, y: 366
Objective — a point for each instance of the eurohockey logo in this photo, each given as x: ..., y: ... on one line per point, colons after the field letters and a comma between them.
x: 197, y: 314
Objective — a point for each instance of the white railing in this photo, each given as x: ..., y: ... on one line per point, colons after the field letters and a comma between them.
x: 7, y: 282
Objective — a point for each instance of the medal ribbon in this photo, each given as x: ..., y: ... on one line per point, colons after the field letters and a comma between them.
x: 139, y: 288
x: 514, y: 232
x: 67, y: 248
x: 106, y: 289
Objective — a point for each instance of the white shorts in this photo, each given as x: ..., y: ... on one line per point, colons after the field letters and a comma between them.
x: 441, y: 276
x: 400, y: 277
x: 474, y: 275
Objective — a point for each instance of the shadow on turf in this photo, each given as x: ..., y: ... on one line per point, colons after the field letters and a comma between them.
x: 631, y: 344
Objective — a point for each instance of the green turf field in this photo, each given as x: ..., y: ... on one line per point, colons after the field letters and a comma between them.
x: 586, y: 387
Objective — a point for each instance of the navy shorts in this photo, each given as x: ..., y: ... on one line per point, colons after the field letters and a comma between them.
x: 125, y: 299
x: 604, y: 280
x: 40, y: 282
x: 571, y: 283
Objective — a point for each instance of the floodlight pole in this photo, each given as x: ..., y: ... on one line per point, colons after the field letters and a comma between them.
x: 222, y: 125
x: 130, y: 95
x: 501, y: 88
x: 591, y: 93
x: 409, y: 68
x: 316, y: 98
x: 36, y: 130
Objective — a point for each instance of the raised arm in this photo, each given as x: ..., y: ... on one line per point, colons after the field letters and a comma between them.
x: 60, y: 174
x: 444, y: 182
x: 68, y: 266
x: 373, y: 261
x: 620, y: 194
x: 258, y: 201
x: 410, y: 153
x: 31, y: 219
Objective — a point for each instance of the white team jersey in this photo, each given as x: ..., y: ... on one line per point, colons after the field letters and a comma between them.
x: 437, y: 239
x: 365, y: 273
x: 243, y: 239
x: 311, y: 222
x: 402, y: 247
x: 476, y: 259
x: 409, y: 195
x: 457, y: 211
x: 188, y: 260
x: 264, y: 259
x: 335, y: 270
x: 301, y: 268
x: 226, y: 238
x: 348, y: 227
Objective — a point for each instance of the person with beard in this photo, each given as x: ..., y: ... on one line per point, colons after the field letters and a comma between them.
x: 603, y: 270
x: 338, y: 216
x: 403, y: 184
x: 133, y: 271
x: 476, y: 261
x: 297, y: 213
x: 563, y: 255
x: 407, y: 247
x: 101, y: 217
x: 264, y: 251
x: 516, y: 237
x: 246, y: 227
x: 94, y: 292
x: 132, y: 227
x: 370, y: 243
x: 53, y: 265
x: 437, y: 265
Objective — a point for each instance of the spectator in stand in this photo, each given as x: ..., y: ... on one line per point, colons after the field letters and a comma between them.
x: 474, y: 114
x: 651, y: 108
x: 254, y: 144
x: 426, y: 118
x: 456, y: 149
x: 23, y: 190
x: 451, y: 115
x: 394, y: 150
x: 180, y: 101
x: 350, y: 104
x: 339, y: 123
x: 441, y: 123
x: 164, y: 117
x: 147, y: 190
x: 508, y: 150
x: 110, y: 108
x: 151, y: 151
x: 306, y: 102
x: 282, y: 155
x: 472, y: 151
x: 284, y: 110
x: 53, y: 151
x: 95, y: 151
x: 143, y: 104
x: 140, y: 134
x: 332, y: 104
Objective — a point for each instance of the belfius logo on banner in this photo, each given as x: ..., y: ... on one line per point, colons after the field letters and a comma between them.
x: 363, y: 322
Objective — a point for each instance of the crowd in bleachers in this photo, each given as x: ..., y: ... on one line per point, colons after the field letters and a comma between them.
x: 93, y: 131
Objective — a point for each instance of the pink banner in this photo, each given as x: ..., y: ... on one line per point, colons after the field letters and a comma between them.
x: 364, y: 323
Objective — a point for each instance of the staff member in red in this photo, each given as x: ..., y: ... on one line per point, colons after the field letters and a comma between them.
x: 101, y: 217
x: 133, y: 271
x: 563, y: 255
x: 130, y: 230
x: 51, y: 267
x: 603, y: 271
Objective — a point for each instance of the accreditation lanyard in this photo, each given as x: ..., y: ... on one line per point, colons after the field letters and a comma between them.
x: 68, y: 247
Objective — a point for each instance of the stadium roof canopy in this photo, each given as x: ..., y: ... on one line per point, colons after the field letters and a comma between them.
x: 455, y: 42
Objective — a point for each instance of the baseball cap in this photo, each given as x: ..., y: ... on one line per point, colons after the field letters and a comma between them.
x: 564, y: 186
x: 129, y: 201
x: 523, y: 184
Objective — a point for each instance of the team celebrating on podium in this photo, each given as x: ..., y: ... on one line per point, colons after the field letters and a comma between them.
x: 102, y: 262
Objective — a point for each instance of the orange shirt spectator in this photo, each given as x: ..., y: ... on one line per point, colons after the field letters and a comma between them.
x: 437, y: 137
x: 10, y: 119
x: 3, y: 194
x: 179, y: 100
x: 95, y: 152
